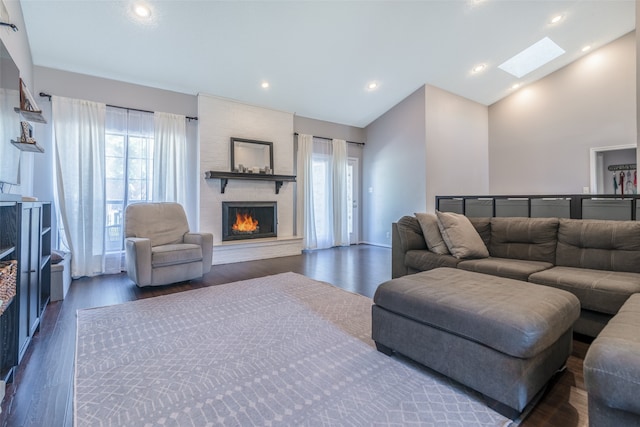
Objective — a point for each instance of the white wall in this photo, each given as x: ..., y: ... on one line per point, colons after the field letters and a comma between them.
x: 540, y: 137
x: 220, y: 119
x: 17, y: 44
x: 457, y: 145
x: 394, y: 178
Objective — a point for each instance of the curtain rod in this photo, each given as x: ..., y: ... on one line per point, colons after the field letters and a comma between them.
x: 46, y: 95
x: 329, y: 139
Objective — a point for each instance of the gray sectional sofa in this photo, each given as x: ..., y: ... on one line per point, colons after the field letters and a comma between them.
x: 596, y: 260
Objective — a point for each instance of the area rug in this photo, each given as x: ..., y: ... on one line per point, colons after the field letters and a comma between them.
x: 278, y: 350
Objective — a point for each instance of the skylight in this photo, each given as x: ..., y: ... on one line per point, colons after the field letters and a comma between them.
x: 532, y: 58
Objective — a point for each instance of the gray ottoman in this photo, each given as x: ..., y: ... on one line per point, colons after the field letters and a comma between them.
x: 502, y: 337
x: 612, y: 370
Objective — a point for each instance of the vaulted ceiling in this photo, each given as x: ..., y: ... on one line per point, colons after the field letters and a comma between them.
x: 318, y: 57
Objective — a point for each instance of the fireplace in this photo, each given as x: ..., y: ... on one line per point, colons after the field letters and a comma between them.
x: 249, y: 220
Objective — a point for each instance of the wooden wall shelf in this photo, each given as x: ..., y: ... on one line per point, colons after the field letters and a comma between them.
x: 31, y: 116
x: 28, y: 146
x: 224, y: 178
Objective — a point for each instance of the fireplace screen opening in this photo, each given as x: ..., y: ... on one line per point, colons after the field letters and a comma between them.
x: 248, y: 220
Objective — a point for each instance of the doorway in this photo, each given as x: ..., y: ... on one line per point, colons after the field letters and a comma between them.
x: 606, y: 165
x: 353, y: 191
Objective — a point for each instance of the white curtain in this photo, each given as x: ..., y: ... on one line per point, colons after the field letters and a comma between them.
x: 322, y: 179
x: 169, y: 161
x: 340, y: 208
x: 79, y: 145
x: 322, y: 175
x: 305, y: 192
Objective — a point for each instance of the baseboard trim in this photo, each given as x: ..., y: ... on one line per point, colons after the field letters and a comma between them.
x: 375, y: 244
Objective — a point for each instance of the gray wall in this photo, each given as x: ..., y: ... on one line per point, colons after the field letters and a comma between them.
x: 540, y: 137
x: 328, y: 129
x: 457, y: 146
x: 394, y: 181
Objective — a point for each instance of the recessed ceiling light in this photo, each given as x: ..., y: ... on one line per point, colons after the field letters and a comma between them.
x: 515, y: 86
x: 586, y: 48
x: 532, y: 58
x: 142, y: 10
x: 479, y: 68
x: 372, y: 85
x: 264, y: 85
x: 557, y: 19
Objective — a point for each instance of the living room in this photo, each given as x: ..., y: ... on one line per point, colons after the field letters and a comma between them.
x: 431, y: 142
x: 597, y: 96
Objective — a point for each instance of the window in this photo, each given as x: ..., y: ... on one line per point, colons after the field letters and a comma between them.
x: 128, y: 167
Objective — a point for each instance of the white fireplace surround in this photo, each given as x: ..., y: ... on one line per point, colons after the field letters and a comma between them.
x: 219, y: 119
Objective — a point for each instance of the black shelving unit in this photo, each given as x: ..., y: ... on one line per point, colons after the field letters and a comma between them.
x: 9, y: 250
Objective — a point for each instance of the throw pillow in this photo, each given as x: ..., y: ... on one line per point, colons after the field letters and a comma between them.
x: 432, y: 235
x: 460, y: 235
x: 56, y: 256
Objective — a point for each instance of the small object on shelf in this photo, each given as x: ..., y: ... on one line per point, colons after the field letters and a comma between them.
x: 8, y: 273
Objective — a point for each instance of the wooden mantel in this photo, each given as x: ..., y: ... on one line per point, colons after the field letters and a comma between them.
x: 224, y: 178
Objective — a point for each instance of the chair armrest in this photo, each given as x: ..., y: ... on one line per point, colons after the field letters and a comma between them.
x: 138, y: 255
x: 205, y: 240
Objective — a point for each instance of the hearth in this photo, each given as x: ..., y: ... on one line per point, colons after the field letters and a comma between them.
x: 249, y: 220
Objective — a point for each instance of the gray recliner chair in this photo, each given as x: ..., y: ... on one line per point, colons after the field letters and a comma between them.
x: 159, y: 247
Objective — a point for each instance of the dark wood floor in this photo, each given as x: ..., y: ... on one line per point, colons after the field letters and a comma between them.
x: 42, y: 392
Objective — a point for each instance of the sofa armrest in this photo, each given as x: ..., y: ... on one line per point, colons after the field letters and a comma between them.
x: 205, y: 240
x: 406, y: 235
x: 138, y: 255
x: 612, y: 364
x: 398, y: 267
x: 410, y: 234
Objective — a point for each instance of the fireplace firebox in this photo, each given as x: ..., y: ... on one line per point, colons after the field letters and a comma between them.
x: 249, y: 220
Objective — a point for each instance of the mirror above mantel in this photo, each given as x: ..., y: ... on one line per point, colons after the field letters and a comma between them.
x: 251, y: 156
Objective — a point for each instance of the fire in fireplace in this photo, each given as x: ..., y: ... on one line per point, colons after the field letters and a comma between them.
x: 248, y: 220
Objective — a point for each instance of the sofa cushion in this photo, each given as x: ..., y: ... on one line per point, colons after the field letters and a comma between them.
x: 597, y: 290
x: 175, y: 254
x: 423, y: 260
x: 431, y: 232
x: 599, y: 244
x: 505, y: 267
x: 533, y: 239
x: 460, y: 235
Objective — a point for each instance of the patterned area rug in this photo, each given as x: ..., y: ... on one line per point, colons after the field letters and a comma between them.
x: 279, y: 350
